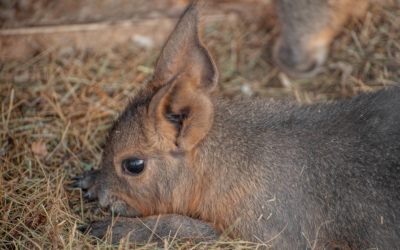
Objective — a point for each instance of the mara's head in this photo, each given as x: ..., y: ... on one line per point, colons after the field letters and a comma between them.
x: 146, y: 166
x: 307, y: 30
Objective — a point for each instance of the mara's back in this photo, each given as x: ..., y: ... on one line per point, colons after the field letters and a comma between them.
x: 325, y: 174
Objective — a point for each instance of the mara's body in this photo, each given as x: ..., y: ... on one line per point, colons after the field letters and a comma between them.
x: 295, y: 177
x: 327, y: 173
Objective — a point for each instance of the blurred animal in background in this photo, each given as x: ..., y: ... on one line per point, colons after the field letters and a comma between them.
x: 307, y: 29
x: 182, y: 161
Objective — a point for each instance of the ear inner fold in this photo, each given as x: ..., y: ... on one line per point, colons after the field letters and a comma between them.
x: 199, y: 115
x: 181, y: 98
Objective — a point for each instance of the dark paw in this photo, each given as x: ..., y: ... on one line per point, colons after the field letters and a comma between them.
x: 97, y: 229
x: 117, y: 229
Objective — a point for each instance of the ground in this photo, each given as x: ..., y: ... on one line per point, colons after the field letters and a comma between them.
x: 56, y: 108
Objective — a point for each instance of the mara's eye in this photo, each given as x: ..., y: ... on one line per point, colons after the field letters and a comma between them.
x: 133, y: 166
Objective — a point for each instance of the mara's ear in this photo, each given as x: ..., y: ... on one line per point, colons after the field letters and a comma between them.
x: 184, y: 53
x: 181, y: 110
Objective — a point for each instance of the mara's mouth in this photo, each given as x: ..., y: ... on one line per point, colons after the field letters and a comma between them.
x: 121, y: 208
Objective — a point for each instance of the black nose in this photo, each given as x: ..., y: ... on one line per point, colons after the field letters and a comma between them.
x: 76, y: 182
x: 83, y: 228
x: 89, y: 197
x: 84, y: 181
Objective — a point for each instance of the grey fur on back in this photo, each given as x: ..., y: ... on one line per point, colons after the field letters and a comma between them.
x: 325, y: 171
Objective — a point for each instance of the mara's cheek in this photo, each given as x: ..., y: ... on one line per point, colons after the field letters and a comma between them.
x: 135, y: 205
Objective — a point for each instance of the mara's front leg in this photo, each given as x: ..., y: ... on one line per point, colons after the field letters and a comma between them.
x: 139, y: 230
x: 154, y: 229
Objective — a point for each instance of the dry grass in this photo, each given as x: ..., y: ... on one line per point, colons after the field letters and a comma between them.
x: 56, y: 109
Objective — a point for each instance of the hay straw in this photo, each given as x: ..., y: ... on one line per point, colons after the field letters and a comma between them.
x: 66, y: 102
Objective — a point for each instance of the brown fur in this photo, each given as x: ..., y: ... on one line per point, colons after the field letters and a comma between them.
x: 320, y: 176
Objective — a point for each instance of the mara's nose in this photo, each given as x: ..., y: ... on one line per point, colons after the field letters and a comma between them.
x: 297, y: 60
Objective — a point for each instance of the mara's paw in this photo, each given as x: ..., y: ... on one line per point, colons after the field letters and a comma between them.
x: 152, y: 229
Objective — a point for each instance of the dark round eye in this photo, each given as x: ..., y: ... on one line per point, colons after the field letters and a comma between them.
x: 133, y: 166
